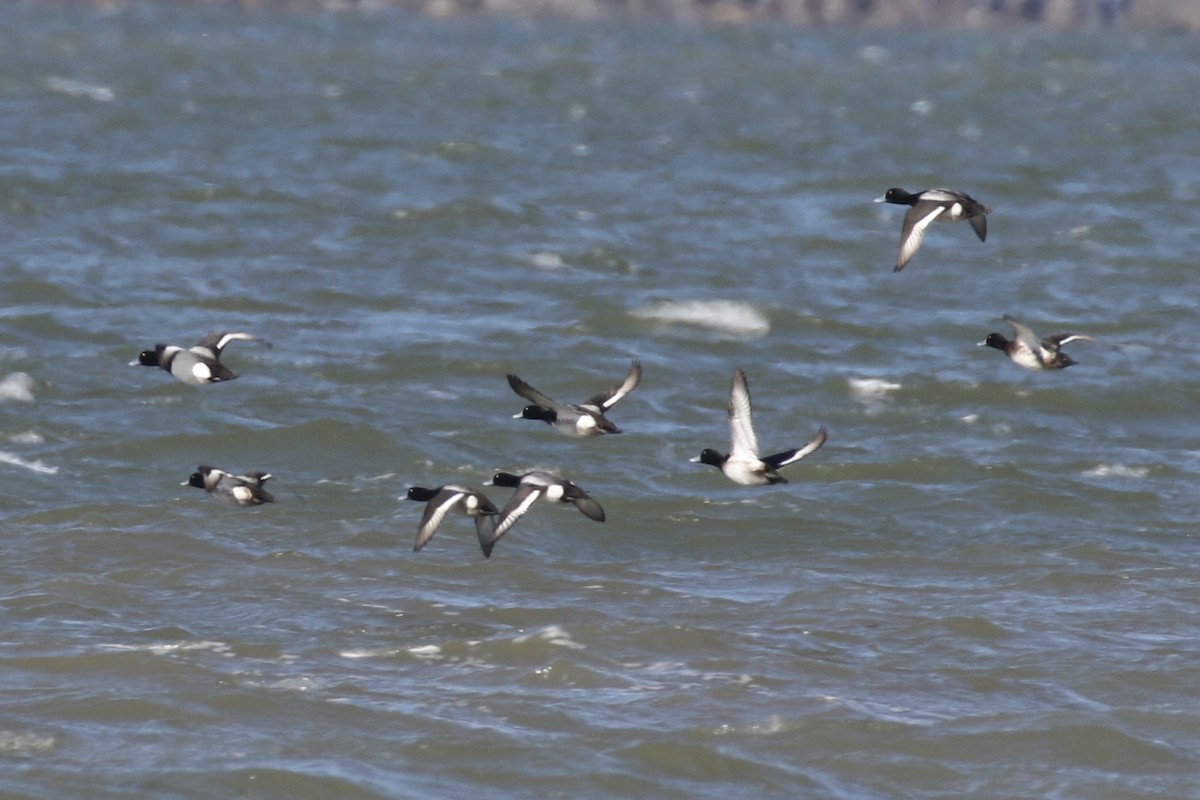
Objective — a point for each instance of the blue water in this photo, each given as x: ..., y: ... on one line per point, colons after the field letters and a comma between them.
x: 983, y: 585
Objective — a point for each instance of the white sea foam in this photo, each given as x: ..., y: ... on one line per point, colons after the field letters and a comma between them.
x: 17, y: 386
x: 23, y: 744
x: 724, y: 316
x: 170, y: 648
x: 873, y: 54
x: 74, y: 88
x: 427, y: 652
x: 1116, y: 471
x: 37, y: 465
x: 546, y: 260
x: 369, y: 652
x: 554, y: 635
x: 871, y: 392
x: 871, y: 388
x: 771, y: 725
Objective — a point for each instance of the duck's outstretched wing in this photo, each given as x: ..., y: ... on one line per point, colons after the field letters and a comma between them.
x: 791, y: 456
x: 607, y: 399
x: 979, y: 224
x: 743, y: 444
x: 584, y: 502
x: 534, y: 396
x: 485, y: 529
x: 1059, y: 339
x: 436, y: 510
x: 916, y: 220
x: 1024, y: 335
x: 213, y: 343
x: 517, y: 506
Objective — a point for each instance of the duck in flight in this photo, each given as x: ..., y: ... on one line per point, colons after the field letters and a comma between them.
x: 540, y: 485
x: 742, y: 464
x: 459, y: 499
x: 244, y: 490
x: 197, y: 365
x: 944, y: 205
x: 1027, y: 350
x: 584, y: 419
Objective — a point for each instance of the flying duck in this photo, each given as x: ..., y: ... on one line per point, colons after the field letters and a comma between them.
x: 460, y: 499
x: 244, y: 490
x: 540, y: 485
x: 743, y: 464
x: 198, y: 364
x: 1030, y: 352
x: 585, y: 419
x: 945, y: 205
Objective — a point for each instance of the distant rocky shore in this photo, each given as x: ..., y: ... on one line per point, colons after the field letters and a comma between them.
x: 1151, y: 16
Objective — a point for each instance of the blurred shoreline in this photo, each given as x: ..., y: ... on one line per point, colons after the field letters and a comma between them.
x: 1145, y: 16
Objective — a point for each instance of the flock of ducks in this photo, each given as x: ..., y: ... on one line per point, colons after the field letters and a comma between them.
x: 950, y: 205
x: 743, y: 464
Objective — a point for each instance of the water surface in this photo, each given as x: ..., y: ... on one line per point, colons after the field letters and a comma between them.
x: 983, y: 585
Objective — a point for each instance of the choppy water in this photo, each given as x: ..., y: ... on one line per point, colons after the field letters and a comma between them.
x: 983, y: 586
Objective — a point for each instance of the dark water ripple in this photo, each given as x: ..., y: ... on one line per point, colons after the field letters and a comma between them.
x: 982, y: 586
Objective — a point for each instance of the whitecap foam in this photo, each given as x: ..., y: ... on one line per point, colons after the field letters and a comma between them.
x: 872, y: 393
x: 37, y: 465
x: 427, y: 652
x: 554, y: 635
x: 871, y: 388
x: 74, y: 88
x: 170, y: 648
x: 368, y: 652
x: 17, y: 386
x: 724, y: 316
x: 23, y: 743
x: 1116, y: 471
x: 546, y: 260
x: 773, y: 724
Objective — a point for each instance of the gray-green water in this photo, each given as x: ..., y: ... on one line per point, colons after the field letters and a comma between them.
x: 983, y: 586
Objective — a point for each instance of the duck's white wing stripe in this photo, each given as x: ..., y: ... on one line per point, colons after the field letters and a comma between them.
x: 213, y: 343
x: 435, y: 511
x: 606, y: 400
x: 1060, y: 339
x: 226, y: 338
x: 811, y: 447
x: 914, y: 231
x: 521, y: 501
x: 743, y: 444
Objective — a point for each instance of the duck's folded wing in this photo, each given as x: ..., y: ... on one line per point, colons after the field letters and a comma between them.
x: 607, y: 399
